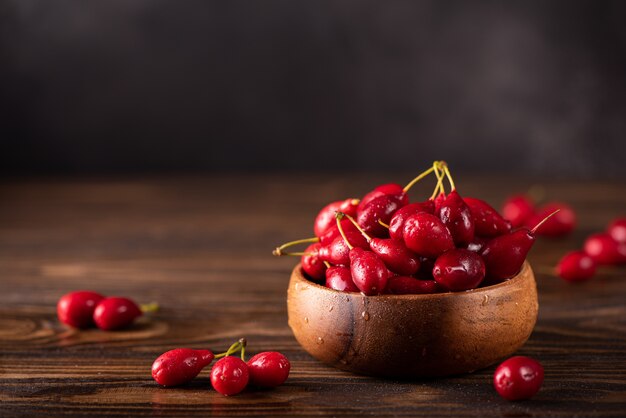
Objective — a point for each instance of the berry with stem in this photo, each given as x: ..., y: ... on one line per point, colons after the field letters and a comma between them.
x: 380, y: 209
x: 116, y: 312
x: 558, y: 225
x: 426, y: 235
x: 326, y: 217
x: 455, y: 214
x: 487, y: 221
x: 339, y: 278
x: 179, y: 366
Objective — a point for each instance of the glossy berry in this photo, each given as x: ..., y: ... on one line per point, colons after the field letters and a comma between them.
x: 504, y: 255
x: 391, y: 189
x: 456, y: 216
x: 333, y: 232
x: 369, y: 273
x: 404, y: 285
x: 561, y: 224
x: 76, y: 308
x: 326, y: 217
x: 115, y: 313
x: 459, y: 269
x: 518, y: 210
x: 268, y: 369
x: 576, y: 266
x: 605, y: 250
x: 426, y: 235
x: 229, y: 375
x: 477, y: 244
x: 312, y: 265
x: 180, y: 365
x: 617, y: 230
x: 487, y: 221
x: 518, y: 378
x: 396, y: 224
x: 339, y: 278
x: 395, y: 255
x: 380, y: 209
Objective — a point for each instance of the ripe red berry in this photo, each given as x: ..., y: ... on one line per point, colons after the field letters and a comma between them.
x: 459, y: 269
x: 426, y: 235
x: 76, y: 308
x: 326, y: 217
x: 617, y: 230
x: 380, y: 209
x: 268, y: 369
x: 487, y: 221
x: 576, y: 266
x: 312, y: 265
x: 369, y: 273
x: 229, y: 375
x: 518, y: 210
x: 518, y: 378
x: 456, y: 215
x: 180, y: 365
x: 396, y: 225
x: 115, y: 313
x: 404, y: 285
x: 340, y: 278
x: 605, y: 250
x: 392, y: 189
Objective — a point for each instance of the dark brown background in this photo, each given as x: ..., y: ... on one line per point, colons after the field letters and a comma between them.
x: 153, y: 85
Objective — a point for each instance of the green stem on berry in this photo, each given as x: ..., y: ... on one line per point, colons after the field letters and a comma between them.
x: 338, y: 217
x: 356, y: 225
x: 532, y: 231
x: 278, y: 251
x: 416, y: 179
x: 327, y: 264
x: 383, y: 224
x: 440, y: 176
x: 448, y: 175
x: 149, y: 307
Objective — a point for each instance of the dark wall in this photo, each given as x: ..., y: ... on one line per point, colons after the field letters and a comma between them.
x: 118, y: 85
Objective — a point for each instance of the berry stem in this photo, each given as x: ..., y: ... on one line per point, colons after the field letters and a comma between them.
x: 367, y: 237
x: 448, y: 175
x: 278, y: 251
x: 239, y: 345
x: 338, y: 217
x: 383, y: 224
x: 440, y: 176
x: 149, y: 307
x: 418, y: 178
x: 532, y: 231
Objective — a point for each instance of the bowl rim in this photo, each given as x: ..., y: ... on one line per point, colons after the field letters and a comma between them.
x: 297, y: 271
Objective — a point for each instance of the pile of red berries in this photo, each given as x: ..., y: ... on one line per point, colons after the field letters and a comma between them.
x: 229, y: 375
x: 383, y: 244
x: 84, y: 309
x: 520, y: 211
x: 604, y: 248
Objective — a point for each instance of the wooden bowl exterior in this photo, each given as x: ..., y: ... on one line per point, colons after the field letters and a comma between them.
x: 413, y: 335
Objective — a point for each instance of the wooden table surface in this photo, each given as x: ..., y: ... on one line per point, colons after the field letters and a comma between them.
x: 200, y: 246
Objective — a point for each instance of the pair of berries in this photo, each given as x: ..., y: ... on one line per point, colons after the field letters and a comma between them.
x: 382, y: 243
x: 520, y: 211
x: 604, y: 248
x: 84, y: 309
x: 229, y: 375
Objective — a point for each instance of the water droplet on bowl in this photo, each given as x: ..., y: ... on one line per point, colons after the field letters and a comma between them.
x: 320, y: 340
x: 306, y: 319
x: 485, y: 300
x: 330, y: 308
x: 365, y: 315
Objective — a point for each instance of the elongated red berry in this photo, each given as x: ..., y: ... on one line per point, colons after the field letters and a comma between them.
x: 505, y: 254
x: 369, y: 273
x: 312, y: 265
x: 76, y: 308
x: 326, y: 217
x: 487, y: 221
x: 395, y: 255
x: 518, y: 378
x: 268, y: 369
x: 605, y: 250
x: 378, y: 210
x: 576, y: 266
x: 340, y: 278
x: 180, y: 365
x: 457, y: 217
x: 459, y: 269
x: 390, y: 189
x: 426, y: 235
x: 230, y: 375
x: 115, y: 313
x: 396, y: 225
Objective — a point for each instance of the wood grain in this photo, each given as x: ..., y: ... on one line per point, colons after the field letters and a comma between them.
x: 200, y: 246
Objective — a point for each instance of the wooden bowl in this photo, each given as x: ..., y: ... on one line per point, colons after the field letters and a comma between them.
x: 413, y: 335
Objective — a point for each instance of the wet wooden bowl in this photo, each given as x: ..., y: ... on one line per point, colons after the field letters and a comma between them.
x: 413, y: 335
